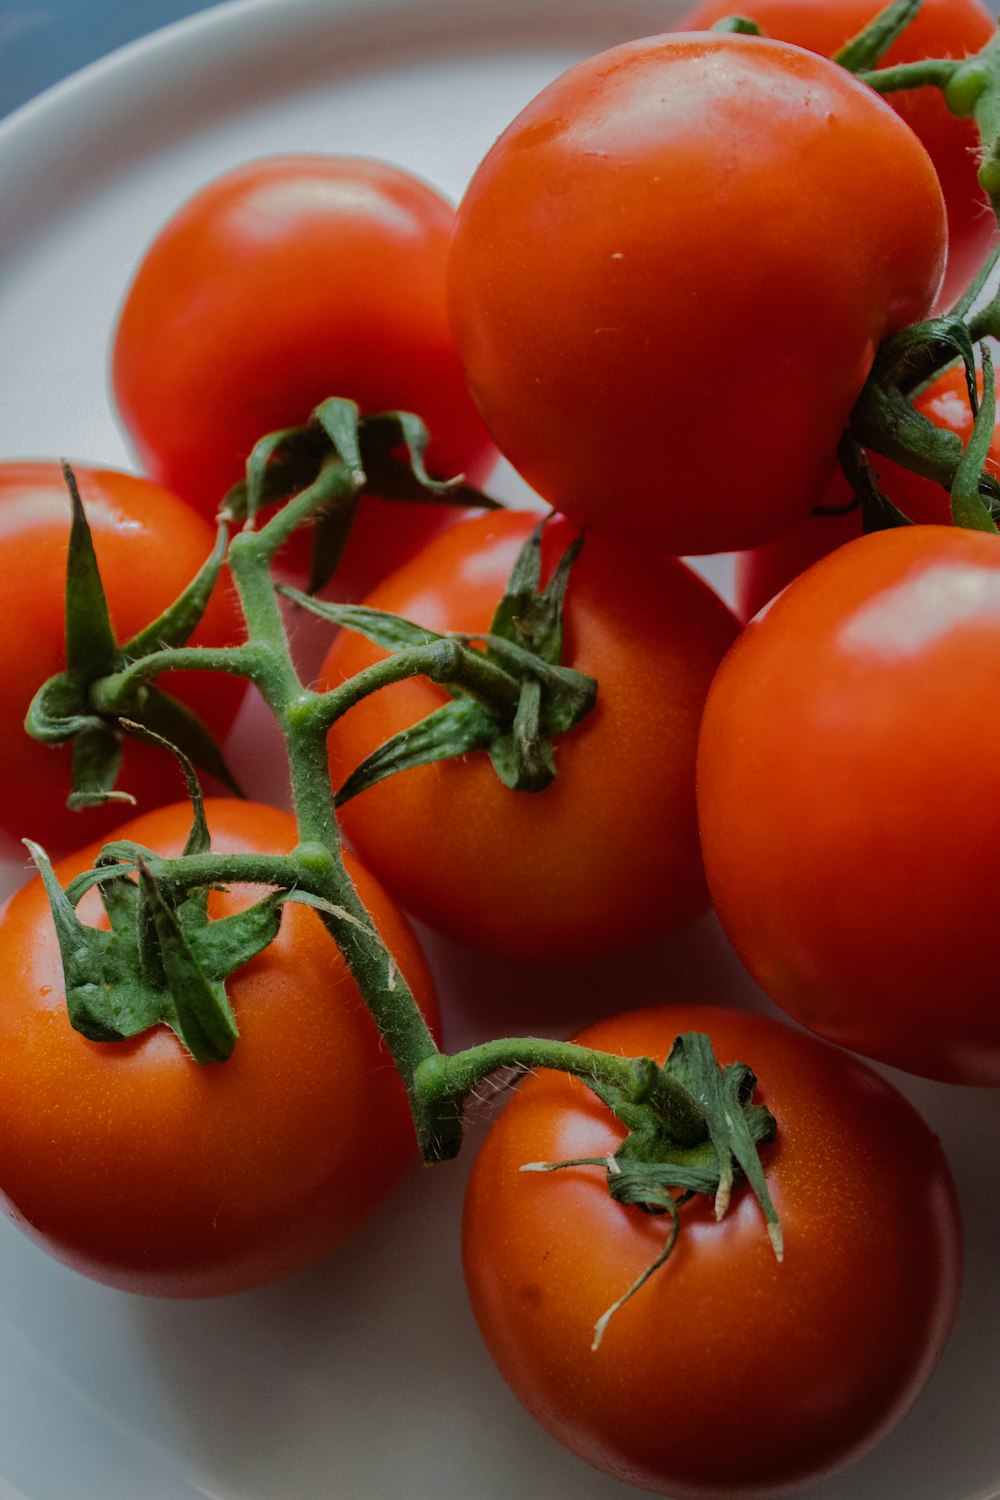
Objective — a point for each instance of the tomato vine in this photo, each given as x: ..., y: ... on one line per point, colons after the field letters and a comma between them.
x: 684, y: 1125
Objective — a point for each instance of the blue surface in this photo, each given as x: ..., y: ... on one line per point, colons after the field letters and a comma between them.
x: 42, y: 41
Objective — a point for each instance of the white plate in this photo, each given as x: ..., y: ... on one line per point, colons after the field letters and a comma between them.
x: 364, y: 1378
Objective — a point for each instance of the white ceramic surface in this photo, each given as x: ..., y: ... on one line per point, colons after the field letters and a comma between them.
x: 364, y: 1378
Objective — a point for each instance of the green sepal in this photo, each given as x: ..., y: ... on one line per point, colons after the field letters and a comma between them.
x: 878, y: 513
x: 391, y: 632
x: 532, y: 617
x: 968, y: 508
x: 223, y: 946
x: 97, y: 758
x: 195, y: 1006
x: 340, y: 420
x: 119, y: 896
x: 280, y: 464
x: 738, y: 25
x: 91, y: 649
x: 178, y: 623
x: 85, y: 953
x: 329, y: 536
x: 523, y: 758
x: 871, y: 44
x: 457, y: 729
x: 394, y: 447
x: 170, y: 720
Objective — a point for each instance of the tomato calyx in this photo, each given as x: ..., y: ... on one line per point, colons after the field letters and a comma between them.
x: 885, y: 421
x: 337, y: 457
x: 656, y: 1172
x: 161, y: 961
x: 69, y: 706
x: 513, y: 698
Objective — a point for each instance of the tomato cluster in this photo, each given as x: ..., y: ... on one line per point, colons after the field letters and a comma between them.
x: 660, y: 298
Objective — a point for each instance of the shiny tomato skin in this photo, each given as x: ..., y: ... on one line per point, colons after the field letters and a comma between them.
x: 941, y: 28
x: 848, y: 828
x: 762, y: 571
x: 149, y: 546
x: 283, y: 282
x: 607, y: 855
x: 666, y: 229
x: 727, y: 1374
x: 138, y: 1167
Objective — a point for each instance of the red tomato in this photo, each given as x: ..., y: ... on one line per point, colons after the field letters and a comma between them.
x: 942, y: 28
x: 607, y: 856
x: 149, y: 546
x: 669, y: 277
x: 848, y: 824
x: 763, y: 571
x: 727, y: 1373
x: 283, y: 282
x: 133, y: 1164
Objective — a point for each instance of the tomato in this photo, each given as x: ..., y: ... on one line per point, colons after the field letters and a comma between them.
x: 149, y: 546
x: 727, y: 1373
x: 941, y: 28
x: 849, y: 829
x: 762, y: 571
x: 134, y: 1165
x: 283, y: 282
x: 670, y: 274
x: 607, y: 855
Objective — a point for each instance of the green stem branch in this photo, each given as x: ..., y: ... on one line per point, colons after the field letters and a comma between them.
x: 443, y: 1082
x: 442, y: 661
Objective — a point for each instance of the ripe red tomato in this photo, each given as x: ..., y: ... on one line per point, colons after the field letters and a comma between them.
x: 670, y: 274
x: 941, y: 28
x: 149, y: 546
x: 762, y: 571
x: 607, y: 855
x: 848, y: 824
x: 727, y: 1373
x: 283, y: 282
x: 136, y: 1166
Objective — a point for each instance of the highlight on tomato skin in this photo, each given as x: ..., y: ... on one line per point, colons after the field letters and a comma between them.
x: 761, y: 572
x: 726, y: 1374
x: 590, y: 321
x: 850, y: 845
x: 149, y: 544
x: 607, y: 856
x: 140, y: 1168
x: 283, y: 282
x: 941, y: 28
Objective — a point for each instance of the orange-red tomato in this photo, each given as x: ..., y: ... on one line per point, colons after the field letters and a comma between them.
x: 283, y: 282
x: 727, y: 1373
x: 849, y: 820
x: 671, y: 272
x: 941, y: 28
x: 607, y: 855
x: 762, y: 571
x: 136, y: 1166
x: 149, y: 546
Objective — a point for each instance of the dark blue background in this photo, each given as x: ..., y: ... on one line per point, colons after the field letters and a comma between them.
x: 42, y: 41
